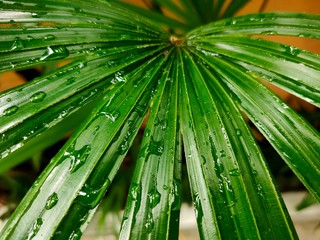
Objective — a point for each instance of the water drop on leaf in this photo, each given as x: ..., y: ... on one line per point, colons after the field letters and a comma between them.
x: 35, y: 15
x: 176, y: 195
x: 291, y: 50
x: 71, y: 80
x: 17, y: 44
x: 156, y: 147
x: 10, y: 111
x: 49, y: 37
x: 30, y: 38
x: 198, y: 207
x: 135, y: 192
x: 78, y: 10
x: 149, y: 223
x: 234, y: 172
x: 238, y: 132
x: 230, y: 197
x: 38, y: 97
x: 112, y: 116
x: 78, y: 157
x: 269, y: 32
x: 75, y: 235
x: 55, y: 53
x: 91, y: 196
x: 35, y: 229
x: 154, y: 198
x: 52, y: 201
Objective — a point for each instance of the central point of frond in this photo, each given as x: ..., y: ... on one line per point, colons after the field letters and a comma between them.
x: 176, y: 41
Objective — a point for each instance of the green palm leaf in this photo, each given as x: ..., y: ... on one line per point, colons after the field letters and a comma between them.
x: 241, y: 182
x: 154, y: 200
x: 196, y: 87
x: 63, y: 93
x: 279, y: 68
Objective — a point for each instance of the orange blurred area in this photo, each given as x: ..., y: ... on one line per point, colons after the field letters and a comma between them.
x: 9, y: 80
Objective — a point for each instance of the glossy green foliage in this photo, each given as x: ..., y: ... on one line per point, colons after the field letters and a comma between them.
x: 194, y: 89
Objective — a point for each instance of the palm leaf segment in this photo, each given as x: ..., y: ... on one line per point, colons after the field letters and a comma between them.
x: 196, y: 88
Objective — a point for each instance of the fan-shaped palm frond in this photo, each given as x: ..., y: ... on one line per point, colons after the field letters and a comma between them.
x: 195, y: 87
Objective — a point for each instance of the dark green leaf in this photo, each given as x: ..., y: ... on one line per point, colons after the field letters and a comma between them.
x: 219, y: 145
x: 154, y: 197
x: 291, y: 24
x: 293, y: 138
x: 72, y: 166
x: 295, y: 70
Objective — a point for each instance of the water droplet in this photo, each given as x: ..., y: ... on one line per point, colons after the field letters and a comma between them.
x: 96, y: 128
x: 32, y: 60
x: 234, y: 172
x: 91, y: 196
x: 35, y: 15
x: 156, y: 121
x: 135, y: 192
x: 291, y: 50
x: 75, y: 235
x: 52, y: 201
x: 229, y: 22
x: 4, y: 137
x: 163, y: 124
x: 12, y: 65
x: 123, y: 148
x: 168, y: 79
x: 17, y: 44
x: 147, y: 132
x: 10, y: 111
x: 118, y: 78
x: 222, y: 153
x: 197, y: 207
x: 78, y: 10
x: 63, y: 113
x: 124, y: 36
x: 82, y: 65
x: 156, y: 147
x: 38, y: 97
x: 260, y: 190
x: 149, y: 223
x: 269, y: 32
x: 49, y: 37
x: 30, y: 38
x: 254, y: 171
x: 154, y: 198
x: 204, y: 160
x: 77, y: 157
x: 141, y: 110
x: 238, y: 132
x: 71, y: 80
x: 35, y: 228
x: 176, y: 195
x: 112, y: 116
x: 55, y: 53
x: 230, y: 197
